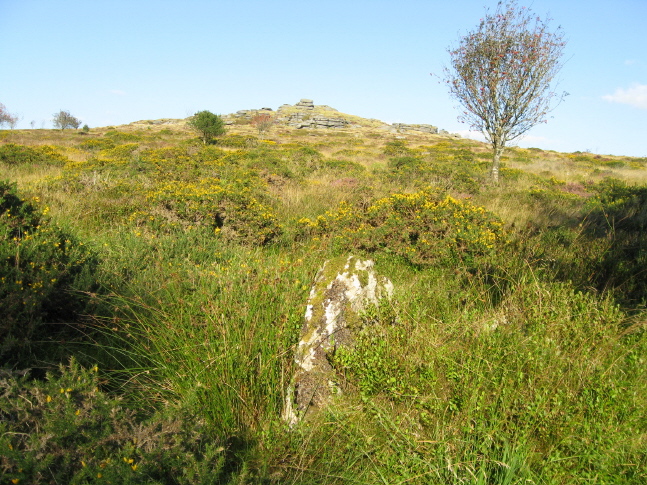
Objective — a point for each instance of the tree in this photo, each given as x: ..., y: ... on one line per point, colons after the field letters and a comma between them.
x: 4, y: 115
x: 63, y: 120
x: 263, y: 122
x: 13, y: 121
x: 502, y: 72
x: 208, y: 125
x: 7, y: 118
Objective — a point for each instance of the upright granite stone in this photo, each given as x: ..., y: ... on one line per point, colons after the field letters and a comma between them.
x: 342, y: 288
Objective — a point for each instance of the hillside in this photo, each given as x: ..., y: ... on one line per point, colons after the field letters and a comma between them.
x: 156, y: 288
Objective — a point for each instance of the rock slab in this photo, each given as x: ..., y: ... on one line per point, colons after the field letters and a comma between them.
x: 423, y: 128
x: 342, y: 289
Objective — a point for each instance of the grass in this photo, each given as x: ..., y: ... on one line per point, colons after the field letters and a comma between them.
x: 510, y: 359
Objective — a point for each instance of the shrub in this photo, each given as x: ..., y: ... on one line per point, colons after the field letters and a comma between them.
x: 348, y: 153
x: 407, y: 163
x: 238, y: 141
x: 397, y: 148
x: 231, y: 210
x: 97, y: 144
x: 305, y: 159
x: 370, y: 361
x: 263, y: 122
x: 269, y: 162
x: 120, y: 152
x: 65, y: 430
x: 13, y: 154
x: 207, y: 125
x: 446, y: 177
x: 121, y: 136
x: 210, y: 154
x: 619, y: 221
x: 345, y: 166
x: 40, y: 267
x: 422, y: 228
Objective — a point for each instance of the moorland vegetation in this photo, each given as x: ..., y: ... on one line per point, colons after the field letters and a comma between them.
x: 153, y: 291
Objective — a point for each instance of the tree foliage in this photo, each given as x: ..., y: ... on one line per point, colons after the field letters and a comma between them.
x: 501, y: 74
x: 263, y: 122
x: 208, y: 125
x: 63, y: 120
x: 8, y: 118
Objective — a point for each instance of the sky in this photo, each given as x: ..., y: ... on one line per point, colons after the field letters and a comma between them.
x: 115, y: 62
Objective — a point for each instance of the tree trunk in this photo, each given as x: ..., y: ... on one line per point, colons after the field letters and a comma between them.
x: 496, y: 159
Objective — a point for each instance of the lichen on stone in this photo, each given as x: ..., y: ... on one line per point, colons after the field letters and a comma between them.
x: 342, y: 289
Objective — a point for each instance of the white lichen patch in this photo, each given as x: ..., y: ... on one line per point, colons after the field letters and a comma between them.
x: 305, y: 355
x: 331, y: 321
x: 289, y: 414
x: 366, y: 265
x: 308, y: 314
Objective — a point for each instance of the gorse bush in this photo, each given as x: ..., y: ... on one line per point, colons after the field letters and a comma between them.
x: 120, y: 152
x: 238, y: 141
x: 423, y: 228
x: 619, y: 221
x: 13, y: 154
x: 621, y: 207
x: 65, y: 430
x: 97, y: 144
x: 443, y: 165
x: 122, y: 136
x: 42, y: 270
x: 343, y: 166
x: 171, y: 189
x: 228, y: 209
x: 397, y: 148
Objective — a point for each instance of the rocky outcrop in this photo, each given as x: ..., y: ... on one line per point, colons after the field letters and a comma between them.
x: 342, y: 288
x: 245, y: 115
x: 306, y: 104
x: 305, y: 114
x: 302, y: 120
x: 424, y: 128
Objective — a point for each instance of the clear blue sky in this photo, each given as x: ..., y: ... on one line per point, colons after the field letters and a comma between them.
x: 114, y: 62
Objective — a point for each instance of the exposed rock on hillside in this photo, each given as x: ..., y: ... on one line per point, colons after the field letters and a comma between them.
x: 304, y: 114
x: 342, y: 289
x: 245, y: 115
x: 305, y: 104
x: 301, y: 120
x: 424, y: 128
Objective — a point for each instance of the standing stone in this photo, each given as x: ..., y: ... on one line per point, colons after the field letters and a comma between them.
x: 342, y: 288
